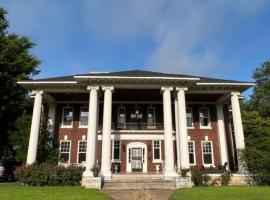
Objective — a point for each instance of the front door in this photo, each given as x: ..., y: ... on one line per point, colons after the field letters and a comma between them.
x: 136, y: 157
x: 136, y: 160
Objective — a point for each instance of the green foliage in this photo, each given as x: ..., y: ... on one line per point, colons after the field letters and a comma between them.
x: 95, y: 169
x: 16, y: 63
x: 48, y: 174
x: 225, y: 178
x: 184, y: 172
x: 199, y: 178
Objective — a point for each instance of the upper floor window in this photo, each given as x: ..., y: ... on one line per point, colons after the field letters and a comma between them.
x: 191, y: 152
x: 116, y: 150
x: 83, y: 116
x: 82, y: 151
x: 204, y: 117
x: 121, y: 121
x: 156, y: 151
x: 189, y: 117
x: 67, y: 118
x: 151, y: 117
x: 65, y: 147
x: 207, y: 150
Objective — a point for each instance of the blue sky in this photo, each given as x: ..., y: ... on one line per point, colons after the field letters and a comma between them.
x: 216, y: 38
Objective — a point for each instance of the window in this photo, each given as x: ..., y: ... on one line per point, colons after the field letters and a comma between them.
x: 189, y: 117
x: 151, y: 117
x: 67, y: 116
x: 116, y: 150
x: 65, y: 151
x: 156, y: 151
x: 121, y: 117
x: 204, y: 117
x: 82, y: 151
x: 83, y: 116
x: 207, y: 151
x: 191, y: 152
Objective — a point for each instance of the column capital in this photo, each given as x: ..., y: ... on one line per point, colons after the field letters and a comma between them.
x: 106, y: 87
x: 235, y: 93
x: 181, y: 88
x: 92, y: 87
x: 37, y: 92
x: 166, y: 88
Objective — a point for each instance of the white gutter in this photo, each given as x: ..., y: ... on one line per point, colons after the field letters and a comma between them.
x: 128, y: 77
x: 239, y: 84
x: 47, y: 82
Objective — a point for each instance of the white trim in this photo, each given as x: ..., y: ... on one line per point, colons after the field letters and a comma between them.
x: 194, y: 152
x: 153, y: 153
x: 47, y: 82
x: 83, y: 126
x: 212, y: 154
x: 78, y: 147
x: 209, y: 119
x: 116, y: 160
x: 67, y: 126
x: 131, y: 77
x: 135, y: 137
x: 139, y: 131
x: 69, y: 153
x: 240, y: 84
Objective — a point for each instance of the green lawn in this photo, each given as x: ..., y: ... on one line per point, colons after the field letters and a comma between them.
x: 17, y: 192
x: 223, y: 193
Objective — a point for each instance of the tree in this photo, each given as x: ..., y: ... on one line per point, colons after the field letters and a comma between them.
x: 16, y: 63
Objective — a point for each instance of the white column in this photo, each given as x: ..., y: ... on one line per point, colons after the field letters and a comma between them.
x: 168, y: 137
x: 183, y: 128
x: 177, y: 137
x: 51, y: 118
x: 222, y: 135
x: 91, y: 131
x: 238, y: 129
x: 106, y: 135
x: 33, y: 140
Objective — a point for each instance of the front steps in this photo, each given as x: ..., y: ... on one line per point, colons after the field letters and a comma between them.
x: 137, y: 181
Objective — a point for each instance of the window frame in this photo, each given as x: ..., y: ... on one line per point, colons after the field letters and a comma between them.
x: 209, y: 118
x: 69, y: 153
x: 212, y: 154
x: 80, y: 125
x: 116, y: 160
x: 78, y: 151
x: 62, y: 124
x: 194, y: 152
x: 154, y: 116
x: 192, y: 126
x: 153, y: 152
x: 118, y: 116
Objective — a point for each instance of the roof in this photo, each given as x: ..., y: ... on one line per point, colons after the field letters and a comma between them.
x: 137, y: 74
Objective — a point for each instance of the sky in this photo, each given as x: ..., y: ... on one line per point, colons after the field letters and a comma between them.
x: 215, y: 38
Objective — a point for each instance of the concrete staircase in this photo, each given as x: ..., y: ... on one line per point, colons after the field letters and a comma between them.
x: 138, y: 181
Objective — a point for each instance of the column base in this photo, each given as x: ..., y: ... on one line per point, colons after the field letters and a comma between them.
x: 88, y: 174
x: 170, y: 174
x: 92, y: 182
x: 107, y: 175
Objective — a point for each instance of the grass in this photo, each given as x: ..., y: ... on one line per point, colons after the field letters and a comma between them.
x: 223, y: 193
x: 18, y: 192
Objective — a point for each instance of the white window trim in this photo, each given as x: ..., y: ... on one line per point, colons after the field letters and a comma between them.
x: 212, y: 154
x: 67, y: 126
x: 156, y: 160
x: 209, y: 119
x: 191, y: 127
x: 78, y: 147
x: 194, y: 153
x: 154, y: 126
x: 65, y: 152
x: 116, y: 160
x: 82, y: 126
x: 122, y: 107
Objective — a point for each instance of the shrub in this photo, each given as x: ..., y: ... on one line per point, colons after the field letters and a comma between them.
x: 184, y: 172
x: 225, y: 178
x: 48, y: 174
x: 199, y: 178
x: 95, y: 169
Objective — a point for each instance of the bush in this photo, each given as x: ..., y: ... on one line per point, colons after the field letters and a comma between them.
x: 225, y: 178
x: 184, y: 172
x: 199, y: 178
x: 48, y: 174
